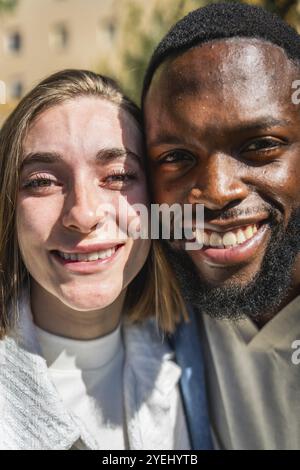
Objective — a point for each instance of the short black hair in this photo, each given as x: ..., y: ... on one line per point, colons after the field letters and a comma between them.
x: 223, y: 21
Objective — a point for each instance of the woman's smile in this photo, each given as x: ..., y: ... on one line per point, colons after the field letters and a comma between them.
x: 68, y: 183
x: 88, y: 262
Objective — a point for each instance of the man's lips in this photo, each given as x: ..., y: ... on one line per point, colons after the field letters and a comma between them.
x: 236, y: 244
x: 233, y: 224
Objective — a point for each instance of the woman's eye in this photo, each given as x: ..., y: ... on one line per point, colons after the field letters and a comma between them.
x: 262, y: 145
x: 176, y: 156
x: 39, y: 182
x: 119, y: 179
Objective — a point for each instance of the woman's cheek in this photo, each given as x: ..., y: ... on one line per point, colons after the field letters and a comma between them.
x: 138, y: 210
x: 35, y: 221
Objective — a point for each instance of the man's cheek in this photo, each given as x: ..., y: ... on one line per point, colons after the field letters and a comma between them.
x: 285, y: 177
x: 165, y: 191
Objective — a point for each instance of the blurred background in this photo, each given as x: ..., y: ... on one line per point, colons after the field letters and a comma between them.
x: 113, y: 37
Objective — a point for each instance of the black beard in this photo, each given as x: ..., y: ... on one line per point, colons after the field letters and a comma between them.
x: 262, y: 295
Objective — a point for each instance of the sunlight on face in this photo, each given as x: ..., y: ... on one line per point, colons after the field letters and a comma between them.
x: 79, y: 157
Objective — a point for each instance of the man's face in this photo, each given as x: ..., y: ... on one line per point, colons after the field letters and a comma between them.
x: 222, y: 131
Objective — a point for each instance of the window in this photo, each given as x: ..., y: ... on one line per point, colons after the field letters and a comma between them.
x: 59, y: 37
x: 2, y: 92
x: 14, y: 42
x: 16, y: 89
x: 106, y: 31
x: 110, y: 28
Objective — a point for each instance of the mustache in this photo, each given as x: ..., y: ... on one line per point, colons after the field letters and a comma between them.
x: 274, y: 216
x: 236, y: 213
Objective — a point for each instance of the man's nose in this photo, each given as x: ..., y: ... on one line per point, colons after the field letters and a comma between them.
x: 218, y: 183
x: 84, y: 208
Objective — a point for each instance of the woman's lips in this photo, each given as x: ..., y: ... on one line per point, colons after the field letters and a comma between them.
x: 87, y: 267
x: 234, y: 255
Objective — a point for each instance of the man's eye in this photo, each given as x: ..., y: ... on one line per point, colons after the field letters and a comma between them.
x: 176, y: 156
x: 262, y: 145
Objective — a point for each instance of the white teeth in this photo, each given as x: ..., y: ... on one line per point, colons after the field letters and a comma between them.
x: 229, y: 239
x: 93, y: 257
x: 106, y: 254
x: 215, y: 239
x: 249, y: 232
x: 199, y: 235
x: 88, y: 256
x: 241, y: 237
x: 206, y: 239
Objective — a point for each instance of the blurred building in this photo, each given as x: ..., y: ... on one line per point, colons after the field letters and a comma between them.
x: 42, y: 36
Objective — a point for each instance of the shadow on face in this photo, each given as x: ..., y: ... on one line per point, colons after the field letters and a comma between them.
x: 222, y: 131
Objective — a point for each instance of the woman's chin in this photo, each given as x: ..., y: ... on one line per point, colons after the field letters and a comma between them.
x: 87, y: 301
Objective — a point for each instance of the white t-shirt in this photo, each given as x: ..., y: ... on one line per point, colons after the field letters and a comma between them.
x: 89, y: 378
x: 253, y: 383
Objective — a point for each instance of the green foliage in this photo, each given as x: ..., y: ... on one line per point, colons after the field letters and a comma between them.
x: 280, y: 7
x: 142, y: 42
x: 7, y: 5
x: 136, y: 59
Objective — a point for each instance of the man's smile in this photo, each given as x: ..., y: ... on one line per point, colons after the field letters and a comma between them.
x: 230, y: 247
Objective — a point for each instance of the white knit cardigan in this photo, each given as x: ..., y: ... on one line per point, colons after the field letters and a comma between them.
x: 33, y: 416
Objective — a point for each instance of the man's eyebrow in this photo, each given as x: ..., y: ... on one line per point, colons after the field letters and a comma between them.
x: 264, y: 123
x: 165, y: 138
x: 104, y: 156
x: 261, y: 124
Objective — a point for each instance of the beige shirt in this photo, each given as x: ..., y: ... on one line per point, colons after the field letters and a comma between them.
x: 254, y: 381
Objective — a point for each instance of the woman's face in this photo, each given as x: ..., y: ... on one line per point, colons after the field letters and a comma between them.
x: 82, y: 160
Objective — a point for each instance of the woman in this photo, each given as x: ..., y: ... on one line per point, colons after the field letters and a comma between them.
x: 74, y: 374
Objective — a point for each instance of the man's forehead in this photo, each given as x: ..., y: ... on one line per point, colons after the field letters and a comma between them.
x: 228, y: 84
x: 225, y: 63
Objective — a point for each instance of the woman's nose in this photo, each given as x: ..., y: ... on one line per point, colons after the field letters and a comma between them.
x: 84, y: 208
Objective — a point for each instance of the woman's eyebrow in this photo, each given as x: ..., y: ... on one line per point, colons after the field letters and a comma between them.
x: 104, y: 156
x: 40, y: 157
x: 108, y: 155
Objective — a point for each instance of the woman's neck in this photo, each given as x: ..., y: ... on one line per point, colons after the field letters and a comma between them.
x: 52, y: 315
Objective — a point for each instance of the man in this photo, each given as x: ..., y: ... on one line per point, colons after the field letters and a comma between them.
x: 223, y: 130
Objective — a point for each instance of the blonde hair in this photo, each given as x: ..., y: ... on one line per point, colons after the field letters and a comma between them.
x: 155, y: 288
